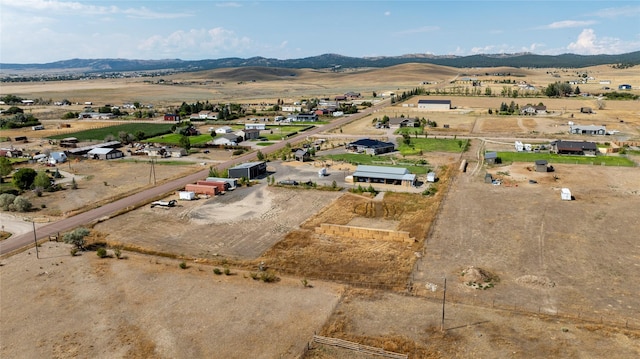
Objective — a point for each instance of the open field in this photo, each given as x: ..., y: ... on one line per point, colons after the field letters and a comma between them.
x: 614, y: 160
x: 560, y: 276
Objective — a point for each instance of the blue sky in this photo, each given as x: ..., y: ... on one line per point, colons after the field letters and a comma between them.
x: 38, y: 31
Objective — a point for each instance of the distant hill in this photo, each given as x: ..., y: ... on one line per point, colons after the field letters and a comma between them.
x: 332, y: 61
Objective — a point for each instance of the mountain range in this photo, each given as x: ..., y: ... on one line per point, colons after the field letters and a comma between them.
x: 334, y: 61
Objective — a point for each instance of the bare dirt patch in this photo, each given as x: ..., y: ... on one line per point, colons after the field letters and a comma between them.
x: 147, y: 307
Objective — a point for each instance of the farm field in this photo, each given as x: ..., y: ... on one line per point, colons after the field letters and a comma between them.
x: 99, y: 134
x: 559, y: 275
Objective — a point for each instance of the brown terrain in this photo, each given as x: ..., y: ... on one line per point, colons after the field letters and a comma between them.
x: 528, y: 275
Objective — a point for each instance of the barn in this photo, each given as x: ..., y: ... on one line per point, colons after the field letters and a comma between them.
x: 249, y: 170
x: 370, y: 147
x: 384, y: 175
x: 105, y: 154
x: 434, y: 105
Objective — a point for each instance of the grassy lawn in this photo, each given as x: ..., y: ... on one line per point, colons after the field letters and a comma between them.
x: 265, y: 143
x: 275, y: 133
x: 387, y: 161
x: 508, y: 157
x: 99, y: 134
x: 409, y: 130
x: 418, y: 145
x: 174, y: 139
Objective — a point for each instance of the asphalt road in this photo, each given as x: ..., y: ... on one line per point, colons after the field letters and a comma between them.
x: 18, y: 242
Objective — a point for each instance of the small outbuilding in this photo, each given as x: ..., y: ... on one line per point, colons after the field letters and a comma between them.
x: 302, y: 155
x: 187, y: 195
x: 431, y: 177
x: 541, y: 166
x: 491, y: 158
x: 488, y: 178
x: 565, y: 194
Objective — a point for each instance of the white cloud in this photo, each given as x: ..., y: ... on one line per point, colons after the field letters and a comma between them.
x: 568, y: 24
x: 588, y: 43
x: 53, y: 7
x: 615, y: 12
x: 228, y: 4
x: 387, y: 13
x: 418, y: 30
x: 197, y: 42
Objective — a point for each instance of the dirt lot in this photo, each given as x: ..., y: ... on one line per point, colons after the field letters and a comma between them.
x: 147, y: 307
x: 571, y: 257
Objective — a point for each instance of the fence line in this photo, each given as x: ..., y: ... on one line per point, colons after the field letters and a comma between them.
x: 358, y: 347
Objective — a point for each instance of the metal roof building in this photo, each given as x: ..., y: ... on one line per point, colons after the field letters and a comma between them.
x: 249, y: 170
x: 383, y: 175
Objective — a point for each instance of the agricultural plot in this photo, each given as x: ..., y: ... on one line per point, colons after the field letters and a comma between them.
x: 421, y: 145
x: 174, y: 139
x: 99, y: 134
x: 510, y: 157
x: 414, y: 166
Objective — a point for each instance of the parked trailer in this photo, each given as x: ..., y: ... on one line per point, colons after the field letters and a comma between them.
x: 222, y: 186
x: 171, y: 203
x: 201, y: 189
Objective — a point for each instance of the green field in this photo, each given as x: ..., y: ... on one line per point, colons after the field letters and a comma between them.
x: 508, y: 157
x: 416, y: 167
x: 99, y: 134
x: 174, y: 139
x: 276, y: 133
x: 421, y: 145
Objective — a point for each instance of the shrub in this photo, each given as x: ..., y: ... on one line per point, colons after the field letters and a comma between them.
x: 117, y: 252
x: 21, y: 204
x: 101, y: 252
x: 268, y: 277
x: 217, y: 271
x: 76, y: 237
x: 6, y: 200
x: 73, y: 251
x: 254, y: 275
x: 227, y: 271
x: 183, y: 265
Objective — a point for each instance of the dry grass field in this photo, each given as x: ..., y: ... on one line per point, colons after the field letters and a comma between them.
x: 563, y: 274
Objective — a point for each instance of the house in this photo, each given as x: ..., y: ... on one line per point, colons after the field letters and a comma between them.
x: 57, y: 157
x: 370, y: 147
x: 223, y: 130
x: 434, y: 105
x: 352, y: 95
x: 384, y: 175
x: 290, y: 108
x: 574, y: 148
x: 249, y: 134
x: 257, y: 126
x: 399, y: 122
x: 171, y: 117
x: 84, y: 150
x: 624, y: 87
x: 248, y: 170
x: 587, y: 130
x: 533, y: 110
x: 203, y: 115
x: 105, y: 153
x: 541, y: 165
x: 307, y: 117
x: 340, y: 98
x: 491, y: 158
x: 302, y: 155
x: 228, y: 139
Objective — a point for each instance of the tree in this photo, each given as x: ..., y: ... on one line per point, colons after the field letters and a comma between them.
x: 260, y: 156
x: 42, y: 181
x: 185, y: 142
x: 406, y: 139
x: 139, y: 135
x: 23, y: 178
x: 21, y: 204
x: 6, y: 200
x: 577, y: 90
x: 374, y: 94
x: 76, y: 237
x: 5, y: 168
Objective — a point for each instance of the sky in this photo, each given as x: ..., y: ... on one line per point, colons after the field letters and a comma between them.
x: 41, y: 31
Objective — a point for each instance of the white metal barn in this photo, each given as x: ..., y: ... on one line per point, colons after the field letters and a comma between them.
x: 434, y: 105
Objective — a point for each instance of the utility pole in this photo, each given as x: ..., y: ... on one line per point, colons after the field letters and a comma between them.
x: 152, y: 172
x: 35, y: 238
x: 444, y: 296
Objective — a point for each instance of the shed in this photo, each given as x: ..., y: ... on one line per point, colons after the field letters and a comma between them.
x: 431, y: 177
x: 488, y: 178
x: 302, y: 155
x: 491, y: 158
x: 434, y: 105
x: 187, y: 195
x: 249, y: 170
x: 565, y: 194
x: 541, y: 165
x: 370, y: 147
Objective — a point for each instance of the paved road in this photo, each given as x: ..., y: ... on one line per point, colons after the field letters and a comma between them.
x: 15, y: 243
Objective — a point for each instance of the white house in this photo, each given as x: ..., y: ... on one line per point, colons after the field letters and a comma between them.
x: 227, y: 139
x: 57, y: 157
x: 255, y: 126
x: 224, y: 129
